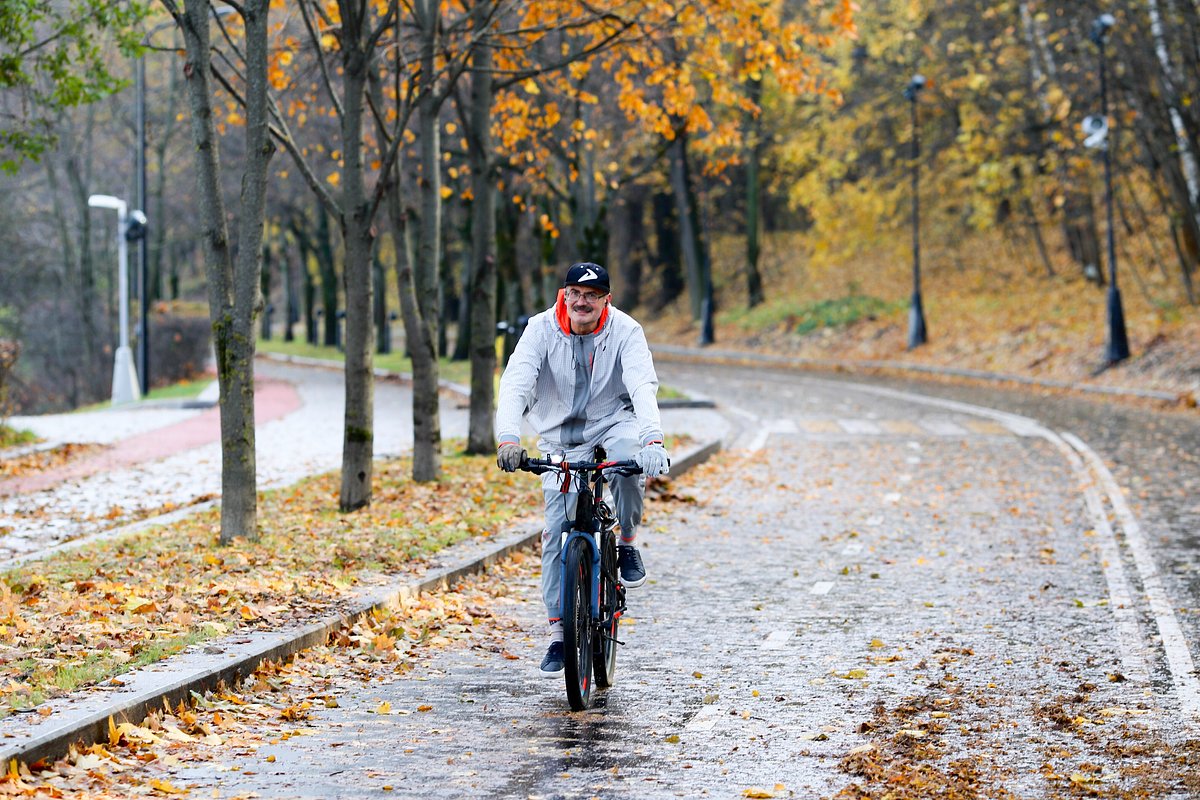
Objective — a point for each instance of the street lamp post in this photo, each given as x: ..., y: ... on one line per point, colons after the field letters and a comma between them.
x: 1118, y: 341
x: 125, y: 382
x: 916, y: 313
x: 144, y: 243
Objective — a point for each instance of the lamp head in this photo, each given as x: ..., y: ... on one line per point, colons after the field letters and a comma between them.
x: 914, y: 86
x: 135, y: 226
x: 106, y: 201
x: 1101, y: 27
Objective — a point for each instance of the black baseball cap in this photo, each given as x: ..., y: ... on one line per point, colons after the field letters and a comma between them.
x: 587, y: 274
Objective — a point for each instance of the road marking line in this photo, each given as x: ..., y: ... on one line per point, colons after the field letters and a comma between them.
x: 821, y: 587
x: 943, y: 427
x: 705, y: 719
x: 900, y: 426
x: 988, y: 427
x: 1119, y: 594
x: 776, y: 640
x: 859, y: 426
x: 1179, y: 657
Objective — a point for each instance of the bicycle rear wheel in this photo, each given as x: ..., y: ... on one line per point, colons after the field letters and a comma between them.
x: 577, y: 624
x: 605, y: 663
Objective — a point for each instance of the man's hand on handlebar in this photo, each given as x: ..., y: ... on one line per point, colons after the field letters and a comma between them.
x: 653, y: 460
x: 510, y: 456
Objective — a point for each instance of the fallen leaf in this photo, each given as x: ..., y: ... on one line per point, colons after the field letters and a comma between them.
x: 166, y: 787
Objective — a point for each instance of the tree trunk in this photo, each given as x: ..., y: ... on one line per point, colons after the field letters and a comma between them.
x: 328, y: 271
x: 481, y: 435
x: 689, y: 222
x: 754, y: 148
x: 667, y: 257
x: 630, y: 247
x: 427, y: 427
x: 358, y: 441
x: 264, y: 282
x: 232, y: 287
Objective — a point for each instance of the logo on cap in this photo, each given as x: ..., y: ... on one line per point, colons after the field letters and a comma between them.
x: 590, y: 275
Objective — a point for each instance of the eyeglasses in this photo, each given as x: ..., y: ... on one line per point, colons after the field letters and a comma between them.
x: 587, y: 297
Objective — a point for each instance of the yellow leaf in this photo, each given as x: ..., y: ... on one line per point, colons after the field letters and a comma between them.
x: 384, y: 708
x: 165, y: 787
x: 139, y: 605
x: 176, y: 735
x: 530, y: 87
x: 447, y: 192
x: 755, y: 791
x: 334, y: 178
x: 424, y: 708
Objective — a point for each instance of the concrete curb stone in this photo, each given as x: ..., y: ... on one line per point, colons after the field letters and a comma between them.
x: 85, y: 718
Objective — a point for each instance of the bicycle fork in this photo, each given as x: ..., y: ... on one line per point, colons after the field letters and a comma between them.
x: 595, y: 612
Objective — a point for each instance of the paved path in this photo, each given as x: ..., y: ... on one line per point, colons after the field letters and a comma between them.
x: 871, y: 588
x: 161, y: 459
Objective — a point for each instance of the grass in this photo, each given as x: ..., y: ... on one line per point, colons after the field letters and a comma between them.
x: 12, y: 437
x: 455, y: 371
x: 805, y: 317
x: 180, y: 391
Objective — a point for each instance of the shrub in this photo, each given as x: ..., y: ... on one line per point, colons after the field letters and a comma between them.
x: 180, y: 345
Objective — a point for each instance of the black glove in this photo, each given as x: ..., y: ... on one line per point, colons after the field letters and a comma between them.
x: 509, y: 456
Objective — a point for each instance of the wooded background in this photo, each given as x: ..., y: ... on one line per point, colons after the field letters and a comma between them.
x: 448, y: 160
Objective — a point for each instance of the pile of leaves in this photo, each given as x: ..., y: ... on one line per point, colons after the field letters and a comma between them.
x: 86, y: 616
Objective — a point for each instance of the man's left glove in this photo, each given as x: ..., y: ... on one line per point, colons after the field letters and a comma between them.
x: 509, y: 456
x: 653, y: 460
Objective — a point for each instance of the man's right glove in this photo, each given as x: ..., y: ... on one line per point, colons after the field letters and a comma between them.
x: 653, y: 460
x: 509, y: 456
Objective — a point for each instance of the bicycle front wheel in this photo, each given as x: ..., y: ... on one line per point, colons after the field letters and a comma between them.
x: 577, y: 624
x: 605, y: 652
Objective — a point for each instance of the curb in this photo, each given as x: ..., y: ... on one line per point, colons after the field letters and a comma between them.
x: 745, y: 358
x: 86, y: 719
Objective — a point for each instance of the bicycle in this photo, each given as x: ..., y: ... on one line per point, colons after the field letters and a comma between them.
x: 593, y: 598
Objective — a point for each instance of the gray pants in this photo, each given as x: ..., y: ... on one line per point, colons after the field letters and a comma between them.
x: 627, y: 491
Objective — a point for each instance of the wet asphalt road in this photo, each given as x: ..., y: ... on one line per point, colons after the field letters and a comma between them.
x: 862, y: 578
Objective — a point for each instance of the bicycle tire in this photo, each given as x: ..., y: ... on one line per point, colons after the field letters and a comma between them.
x: 604, y: 663
x: 577, y: 624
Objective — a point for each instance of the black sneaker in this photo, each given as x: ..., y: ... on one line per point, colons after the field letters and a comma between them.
x: 552, y: 664
x: 629, y: 562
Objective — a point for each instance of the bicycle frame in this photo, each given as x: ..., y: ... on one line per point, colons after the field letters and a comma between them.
x: 591, y: 479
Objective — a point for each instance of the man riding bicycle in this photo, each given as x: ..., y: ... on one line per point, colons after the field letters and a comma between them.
x: 583, y: 376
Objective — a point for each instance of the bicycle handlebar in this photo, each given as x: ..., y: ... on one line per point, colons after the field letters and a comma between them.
x: 553, y: 464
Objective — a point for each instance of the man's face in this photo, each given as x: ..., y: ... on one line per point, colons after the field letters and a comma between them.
x: 584, y: 306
